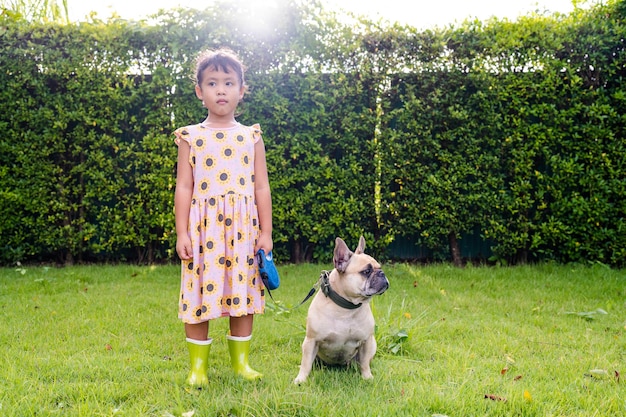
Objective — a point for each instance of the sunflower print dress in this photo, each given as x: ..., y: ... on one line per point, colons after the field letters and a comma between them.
x: 222, y: 277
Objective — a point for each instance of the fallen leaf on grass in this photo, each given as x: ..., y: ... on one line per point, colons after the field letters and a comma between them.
x: 504, y: 371
x: 597, y: 373
x: 517, y: 378
x: 602, y: 374
x: 527, y: 396
x: 587, y: 315
x: 186, y: 414
x: 495, y: 397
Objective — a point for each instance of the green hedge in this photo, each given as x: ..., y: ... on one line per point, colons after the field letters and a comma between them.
x: 507, y: 132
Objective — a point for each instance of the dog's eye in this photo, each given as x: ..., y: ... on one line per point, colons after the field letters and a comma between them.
x: 367, y: 271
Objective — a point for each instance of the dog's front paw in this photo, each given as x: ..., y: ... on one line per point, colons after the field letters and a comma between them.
x: 367, y: 375
x: 299, y: 379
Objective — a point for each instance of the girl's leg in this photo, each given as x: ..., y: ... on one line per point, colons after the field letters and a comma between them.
x: 239, y: 346
x: 199, y: 331
x: 241, y: 326
x: 199, y: 346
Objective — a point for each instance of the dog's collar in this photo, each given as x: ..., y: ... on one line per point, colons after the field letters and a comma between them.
x: 330, y: 293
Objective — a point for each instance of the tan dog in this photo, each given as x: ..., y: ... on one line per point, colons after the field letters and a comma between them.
x: 340, y: 323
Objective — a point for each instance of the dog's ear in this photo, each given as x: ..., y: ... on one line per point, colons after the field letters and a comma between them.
x: 341, y: 255
x: 361, y: 247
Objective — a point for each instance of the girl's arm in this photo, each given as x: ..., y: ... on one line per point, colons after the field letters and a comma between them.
x: 263, y: 198
x: 182, y: 201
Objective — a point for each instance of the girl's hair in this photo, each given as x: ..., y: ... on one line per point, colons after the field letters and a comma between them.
x: 222, y: 59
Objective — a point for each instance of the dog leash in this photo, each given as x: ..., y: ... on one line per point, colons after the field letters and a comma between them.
x: 312, y: 291
x: 324, y: 283
x: 309, y: 295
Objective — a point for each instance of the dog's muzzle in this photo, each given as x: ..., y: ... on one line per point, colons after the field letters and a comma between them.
x: 377, y: 283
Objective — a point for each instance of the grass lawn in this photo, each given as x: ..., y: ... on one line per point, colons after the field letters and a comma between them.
x: 543, y: 340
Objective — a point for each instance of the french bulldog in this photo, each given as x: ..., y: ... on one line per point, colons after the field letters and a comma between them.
x: 340, y: 323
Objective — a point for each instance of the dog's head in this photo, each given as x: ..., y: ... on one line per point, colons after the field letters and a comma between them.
x: 360, y: 274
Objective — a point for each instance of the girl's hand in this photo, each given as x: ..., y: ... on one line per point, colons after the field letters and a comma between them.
x: 264, y: 242
x: 183, y: 248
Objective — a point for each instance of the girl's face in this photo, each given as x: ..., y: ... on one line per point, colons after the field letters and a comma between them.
x: 221, y: 92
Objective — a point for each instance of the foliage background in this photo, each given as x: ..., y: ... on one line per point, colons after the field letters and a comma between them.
x: 498, y: 139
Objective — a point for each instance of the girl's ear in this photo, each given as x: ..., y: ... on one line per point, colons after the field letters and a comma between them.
x: 198, y: 92
x: 241, y: 92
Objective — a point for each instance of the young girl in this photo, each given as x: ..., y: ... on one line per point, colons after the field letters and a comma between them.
x: 223, y: 215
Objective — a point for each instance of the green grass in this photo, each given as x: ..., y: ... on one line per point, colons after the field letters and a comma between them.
x: 106, y: 341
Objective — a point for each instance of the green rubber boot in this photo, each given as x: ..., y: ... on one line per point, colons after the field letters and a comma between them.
x: 239, y: 348
x: 199, y: 357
